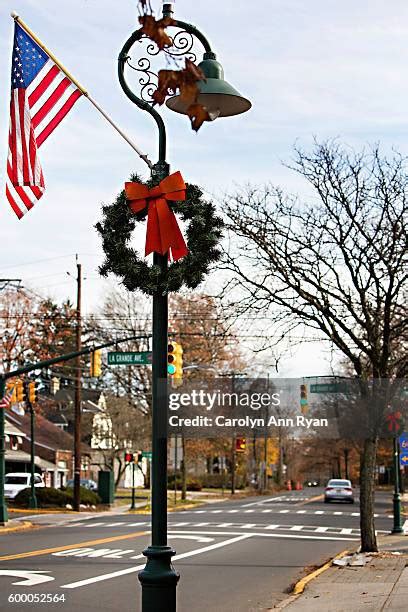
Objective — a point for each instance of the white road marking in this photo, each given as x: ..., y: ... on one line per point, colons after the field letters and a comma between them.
x: 137, y: 524
x: 225, y: 524
x: 346, y: 531
x: 319, y: 512
x: 115, y: 524
x: 216, y: 511
x: 337, y: 513
x: 183, y: 536
x: 232, y: 511
x: 27, y: 577
x: 178, y: 524
x: 300, y: 511
x: 260, y: 503
x: 283, y: 511
x: 248, y: 525
x: 272, y: 526
x: 132, y: 570
x: 321, y: 529
x: 200, y: 524
x: 95, y: 524
x: 268, y: 510
x: 296, y: 528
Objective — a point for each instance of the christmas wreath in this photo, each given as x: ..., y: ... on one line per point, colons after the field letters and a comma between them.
x: 191, y: 262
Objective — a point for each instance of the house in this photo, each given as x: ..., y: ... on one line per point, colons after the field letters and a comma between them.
x: 53, y: 449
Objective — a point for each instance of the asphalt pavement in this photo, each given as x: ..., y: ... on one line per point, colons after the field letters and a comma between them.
x: 234, y: 556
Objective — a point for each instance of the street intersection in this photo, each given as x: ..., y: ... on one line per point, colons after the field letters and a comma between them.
x: 239, y: 555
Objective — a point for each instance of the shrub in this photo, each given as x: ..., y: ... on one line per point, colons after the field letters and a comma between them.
x: 218, y: 481
x: 193, y: 484
x: 48, y: 497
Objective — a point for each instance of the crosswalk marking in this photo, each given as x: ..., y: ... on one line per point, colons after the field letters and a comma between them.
x: 267, y: 510
x: 300, y: 511
x: 283, y: 511
x: 329, y: 530
x: 249, y: 511
x: 319, y: 511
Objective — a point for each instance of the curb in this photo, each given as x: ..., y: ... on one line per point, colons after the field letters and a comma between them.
x: 22, y: 527
x: 301, y: 584
x: 177, y: 509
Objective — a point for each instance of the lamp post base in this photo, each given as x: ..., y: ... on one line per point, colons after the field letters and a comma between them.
x: 159, y: 580
x: 397, y: 528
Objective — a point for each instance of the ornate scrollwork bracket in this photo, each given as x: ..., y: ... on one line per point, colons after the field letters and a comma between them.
x: 182, y: 46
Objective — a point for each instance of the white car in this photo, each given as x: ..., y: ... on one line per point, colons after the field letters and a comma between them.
x: 339, y: 490
x: 17, y: 481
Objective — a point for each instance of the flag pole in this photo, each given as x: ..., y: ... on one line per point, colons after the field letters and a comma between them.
x: 25, y: 27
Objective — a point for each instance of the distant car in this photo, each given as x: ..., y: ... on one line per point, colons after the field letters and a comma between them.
x: 87, y: 483
x: 312, y: 483
x: 338, y: 490
x: 17, y: 481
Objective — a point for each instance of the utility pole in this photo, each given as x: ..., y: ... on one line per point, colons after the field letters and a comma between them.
x: 77, y: 418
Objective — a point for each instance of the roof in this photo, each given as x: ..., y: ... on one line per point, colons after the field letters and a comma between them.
x: 47, y: 434
x: 67, y: 394
x: 22, y: 457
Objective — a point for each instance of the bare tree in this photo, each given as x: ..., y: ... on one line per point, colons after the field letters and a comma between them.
x: 334, y: 262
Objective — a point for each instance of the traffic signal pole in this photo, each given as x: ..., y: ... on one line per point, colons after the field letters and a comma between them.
x: 24, y: 370
x: 77, y: 415
x: 3, y: 507
x: 32, y: 502
x: 397, y: 527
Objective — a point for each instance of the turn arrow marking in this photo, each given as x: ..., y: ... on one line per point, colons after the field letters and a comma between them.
x: 29, y: 577
x: 190, y: 537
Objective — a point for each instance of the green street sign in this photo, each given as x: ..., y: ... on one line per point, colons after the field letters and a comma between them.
x: 147, y: 454
x: 130, y: 358
x: 329, y: 388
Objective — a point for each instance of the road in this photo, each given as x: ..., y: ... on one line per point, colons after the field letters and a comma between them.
x: 233, y: 556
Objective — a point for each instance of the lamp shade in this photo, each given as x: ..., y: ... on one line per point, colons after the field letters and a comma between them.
x: 216, y: 94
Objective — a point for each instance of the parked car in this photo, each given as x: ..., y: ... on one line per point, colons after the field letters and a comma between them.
x: 17, y: 481
x: 338, y: 490
x: 87, y: 483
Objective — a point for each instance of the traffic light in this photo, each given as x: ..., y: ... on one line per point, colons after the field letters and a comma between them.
x: 31, y: 391
x: 128, y: 457
x: 303, y: 399
x: 20, y: 391
x: 96, y: 363
x: 175, y: 360
x: 240, y: 445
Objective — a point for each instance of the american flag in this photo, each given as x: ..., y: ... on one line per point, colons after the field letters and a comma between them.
x: 5, y: 402
x: 41, y: 96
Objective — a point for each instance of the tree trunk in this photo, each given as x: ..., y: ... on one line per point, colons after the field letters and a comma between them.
x: 367, y: 482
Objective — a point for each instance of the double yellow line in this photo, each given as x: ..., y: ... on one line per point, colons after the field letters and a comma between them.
x: 48, y: 551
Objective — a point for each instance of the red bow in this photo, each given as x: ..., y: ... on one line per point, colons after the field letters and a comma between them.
x: 163, y: 233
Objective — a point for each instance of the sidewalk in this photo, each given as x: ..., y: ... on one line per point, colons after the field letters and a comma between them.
x: 380, y: 584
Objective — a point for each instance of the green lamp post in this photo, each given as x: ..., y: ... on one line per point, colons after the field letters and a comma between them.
x: 158, y: 578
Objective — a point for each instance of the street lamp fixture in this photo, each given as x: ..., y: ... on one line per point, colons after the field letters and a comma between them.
x: 217, y: 95
x: 158, y: 578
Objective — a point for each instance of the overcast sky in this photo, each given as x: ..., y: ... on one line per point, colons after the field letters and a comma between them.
x: 320, y: 68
